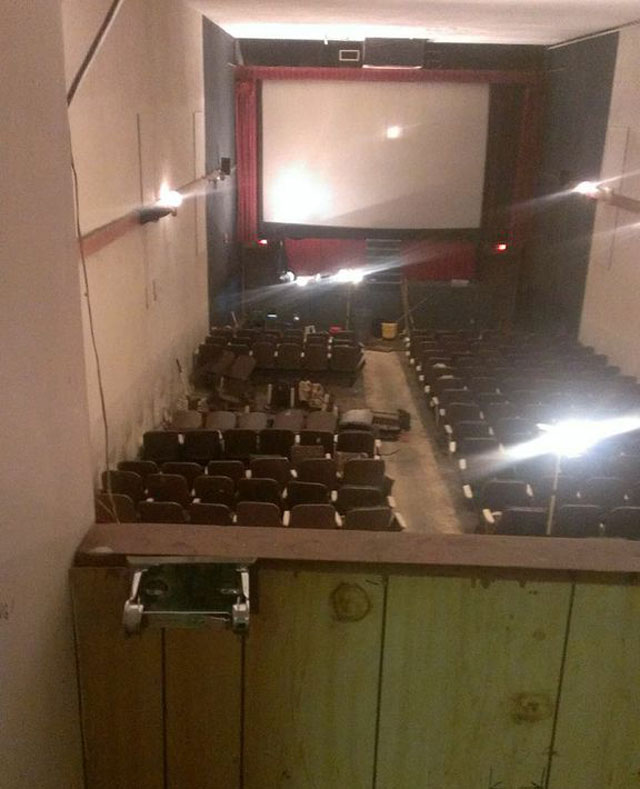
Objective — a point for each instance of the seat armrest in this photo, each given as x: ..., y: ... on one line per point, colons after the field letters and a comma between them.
x: 488, y: 517
x: 400, y: 521
x: 338, y: 520
x: 286, y: 517
x: 468, y: 492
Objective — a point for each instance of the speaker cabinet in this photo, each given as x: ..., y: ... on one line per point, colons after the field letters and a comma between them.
x: 398, y: 52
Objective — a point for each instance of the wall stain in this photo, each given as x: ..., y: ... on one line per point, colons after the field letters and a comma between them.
x: 530, y: 707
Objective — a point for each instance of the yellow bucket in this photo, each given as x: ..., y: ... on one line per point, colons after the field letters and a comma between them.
x: 389, y: 331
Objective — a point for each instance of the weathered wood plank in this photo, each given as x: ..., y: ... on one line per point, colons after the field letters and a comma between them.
x: 470, y: 680
x: 203, y: 670
x: 597, y: 741
x: 120, y: 684
x: 114, y: 540
x: 311, y: 681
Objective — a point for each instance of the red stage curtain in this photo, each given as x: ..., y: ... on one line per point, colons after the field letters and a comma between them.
x: 247, y: 159
x: 310, y: 256
x: 439, y: 259
x: 421, y: 259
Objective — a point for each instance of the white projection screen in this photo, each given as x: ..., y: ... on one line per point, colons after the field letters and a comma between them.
x: 390, y: 155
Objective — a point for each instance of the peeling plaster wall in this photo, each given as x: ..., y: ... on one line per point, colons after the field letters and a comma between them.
x: 137, y: 122
x: 611, y: 317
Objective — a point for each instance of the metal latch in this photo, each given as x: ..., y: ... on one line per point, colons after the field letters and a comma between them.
x: 188, y: 595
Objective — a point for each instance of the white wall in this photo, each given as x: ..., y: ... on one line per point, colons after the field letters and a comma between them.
x: 138, y: 120
x: 611, y: 311
x: 45, y: 486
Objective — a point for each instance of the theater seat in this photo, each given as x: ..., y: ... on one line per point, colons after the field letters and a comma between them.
x: 606, y: 492
x: 306, y: 493
x: 210, y: 489
x: 258, y: 513
x: 127, y: 483
x: 226, y: 468
x: 369, y: 519
x: 185, y: 469
x: 141, y: 467
x: 201, y: 446
x: 278, y: 468
x: 220, y: 420
x: 522, y: 522
x: 161, y: 512
x: 312, y: 516
x: 169, y: 487
x: 577, y: 520
x: 322, y: 470
x: 211, y: 514
x: 356, y: 441
x: 115, y: 507
x: 322, y: 420
x: 161, y: 445
x: 252, y: 420
x: 259, y: 489
x: 498, y: 494
x: 623, y: 522
x: 350, y: 496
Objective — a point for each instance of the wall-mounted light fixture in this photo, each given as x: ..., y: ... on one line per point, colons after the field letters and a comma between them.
x: 222, y: 172
x: 169, y: 202
x: 598, y: 191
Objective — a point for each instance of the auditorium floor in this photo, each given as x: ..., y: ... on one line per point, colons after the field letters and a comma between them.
x: 426, y: 489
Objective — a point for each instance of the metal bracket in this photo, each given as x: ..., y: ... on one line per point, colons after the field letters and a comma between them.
x: 178, y: 594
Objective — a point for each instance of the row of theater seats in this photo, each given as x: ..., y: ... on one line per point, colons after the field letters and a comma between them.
x: 292, y: 419
x: 489, y: 394
x: 307, y: 495
x: 314, y: 352
x: 249, y: 336
x: 201, y: 446
x: 117, y: 507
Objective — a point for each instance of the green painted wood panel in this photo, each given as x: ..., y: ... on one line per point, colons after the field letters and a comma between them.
x: 470, y: 679
x: 120, y: 683
x: 597, y: 741
x: 311, y: 681
x: 203, y: 687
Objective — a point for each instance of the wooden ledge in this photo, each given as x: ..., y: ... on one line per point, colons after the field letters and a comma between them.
x: 108, y: 544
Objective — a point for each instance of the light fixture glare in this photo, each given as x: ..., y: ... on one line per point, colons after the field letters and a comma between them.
x: 348, y: 275
x: 169, y: 198
x: 587, y: 188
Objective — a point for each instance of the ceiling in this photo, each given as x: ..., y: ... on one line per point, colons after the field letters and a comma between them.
x: 542, y: 22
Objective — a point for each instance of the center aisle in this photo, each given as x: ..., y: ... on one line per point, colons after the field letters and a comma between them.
x: 421, y: 493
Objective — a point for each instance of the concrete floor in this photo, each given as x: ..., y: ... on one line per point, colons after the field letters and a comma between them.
x: 426, y: 490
